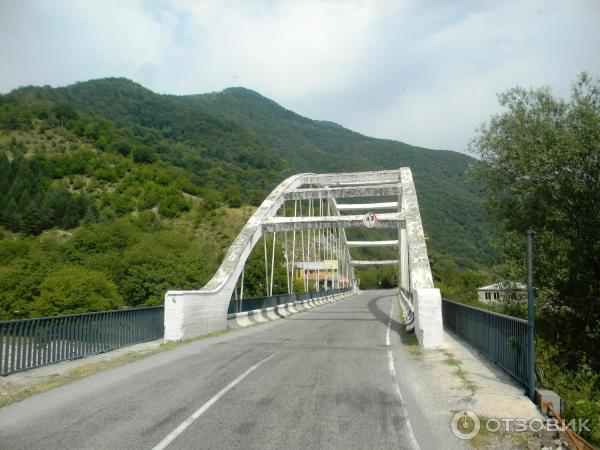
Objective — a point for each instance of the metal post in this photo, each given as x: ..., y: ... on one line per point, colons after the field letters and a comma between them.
x: 303, y: 254
x: 242, y: 288
x: 530, y: 316
x: 266, y: 266
x: 293, y: 271
x: 328, y: 253
x: 318, y: 247
x: 272, y: 264
x: 285, y: 254
x: 307, y: 288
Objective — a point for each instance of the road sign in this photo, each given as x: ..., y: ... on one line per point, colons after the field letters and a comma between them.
x: 370, y: 220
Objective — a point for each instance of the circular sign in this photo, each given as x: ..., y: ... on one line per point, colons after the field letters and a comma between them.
x: 370, y: 220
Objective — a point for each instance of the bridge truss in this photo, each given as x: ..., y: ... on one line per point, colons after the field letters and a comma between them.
x: 309, y: 213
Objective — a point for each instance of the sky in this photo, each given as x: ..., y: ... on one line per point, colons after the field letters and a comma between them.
x: 423, y: 72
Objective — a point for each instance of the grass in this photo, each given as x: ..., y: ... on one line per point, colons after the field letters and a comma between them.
x: 453, y: 362
x: 10, y: 393
x: 472, y: 387
x: 415, y: 350
x: 460, y: 373
x: 409, y: 339
x: 489, y: 439
x: 486, y: 439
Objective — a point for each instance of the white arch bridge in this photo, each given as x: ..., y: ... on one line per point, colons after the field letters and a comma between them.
x: 308, y: 213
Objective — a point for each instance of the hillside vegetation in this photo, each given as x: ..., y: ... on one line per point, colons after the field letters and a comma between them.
x: 540, y: 165
x: 110, y: 193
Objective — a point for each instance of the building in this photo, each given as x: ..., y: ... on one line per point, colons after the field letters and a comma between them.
x: 497, y: 291
x: 325, y: 271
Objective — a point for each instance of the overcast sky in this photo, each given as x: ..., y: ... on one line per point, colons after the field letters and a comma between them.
x: 421, y: 71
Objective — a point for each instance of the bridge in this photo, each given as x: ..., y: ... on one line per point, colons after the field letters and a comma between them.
x: 344, y: 369
x: 305, y: 209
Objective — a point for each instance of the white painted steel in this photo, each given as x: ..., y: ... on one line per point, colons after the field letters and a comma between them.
x: 352, y: 244
x: 366, y: 206
x: 193, y: 313
x: 384, y: 262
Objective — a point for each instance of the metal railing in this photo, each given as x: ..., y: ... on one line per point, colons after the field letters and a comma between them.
x: 501, y: 338
x: 257, y: 303
x: 29, y: 343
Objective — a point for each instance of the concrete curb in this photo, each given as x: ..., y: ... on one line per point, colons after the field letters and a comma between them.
x: 249, y: 318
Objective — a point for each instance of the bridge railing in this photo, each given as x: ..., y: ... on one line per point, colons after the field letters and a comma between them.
x: 30, y: 343
x: 501, y: 338
x: 258, y: 303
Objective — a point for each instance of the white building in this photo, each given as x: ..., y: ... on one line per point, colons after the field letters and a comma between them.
x: 497, y: 291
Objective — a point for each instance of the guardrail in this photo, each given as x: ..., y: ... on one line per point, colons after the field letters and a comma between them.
x: 257, y: 303
x: 29, y: 343
x: 501, y: 338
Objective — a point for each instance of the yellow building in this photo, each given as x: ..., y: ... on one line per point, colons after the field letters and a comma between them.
x: 326, y: 271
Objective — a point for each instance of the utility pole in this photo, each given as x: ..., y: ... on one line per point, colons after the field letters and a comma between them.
x: 530, y: 316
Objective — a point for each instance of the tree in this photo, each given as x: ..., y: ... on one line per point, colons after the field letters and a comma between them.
x: 144, y: 155
x: 368, y: 277
x: 540, y: 166
x: 64, y: 111
x: 159, y: 262
x: 172, y: 204
x: 72, y: 290
x: 232, y: 196
x: 388, y: 277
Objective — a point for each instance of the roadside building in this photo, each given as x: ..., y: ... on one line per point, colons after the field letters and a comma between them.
x: 325, y: 271
x: 498, y: 291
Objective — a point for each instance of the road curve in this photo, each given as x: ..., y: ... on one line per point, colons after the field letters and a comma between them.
x: 330, y: 377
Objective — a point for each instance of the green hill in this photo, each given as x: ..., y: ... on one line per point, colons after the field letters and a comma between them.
x: 450, y: 206
x: 111, y: 178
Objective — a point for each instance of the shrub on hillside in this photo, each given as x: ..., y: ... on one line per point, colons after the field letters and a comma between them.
x: 73, y: 290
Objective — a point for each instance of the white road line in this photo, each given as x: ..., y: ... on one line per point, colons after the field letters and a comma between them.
x: 187, y: 422
x: 392, y: 369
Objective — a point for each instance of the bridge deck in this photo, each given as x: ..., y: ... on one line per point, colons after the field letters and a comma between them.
x: 328, y: 385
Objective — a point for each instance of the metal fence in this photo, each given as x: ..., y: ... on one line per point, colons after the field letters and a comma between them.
x: 29, y: 343
x: 501, y: 338
x: 251, y: 304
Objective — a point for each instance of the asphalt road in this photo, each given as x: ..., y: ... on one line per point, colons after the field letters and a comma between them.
x: 330, y: 377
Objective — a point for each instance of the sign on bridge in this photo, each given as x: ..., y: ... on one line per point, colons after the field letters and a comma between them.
x: 370, y: 220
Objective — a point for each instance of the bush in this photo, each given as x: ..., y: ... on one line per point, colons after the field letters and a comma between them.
x: 579, y: 389
x: 143, y: 155
x: 73, y: 290
x: 172, y: 204
x: 232, y: 196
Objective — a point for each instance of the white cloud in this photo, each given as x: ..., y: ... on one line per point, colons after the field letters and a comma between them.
x: 56, y: 43
x: 425, y: 72
x: 284, y: 49
x: 446, y: 69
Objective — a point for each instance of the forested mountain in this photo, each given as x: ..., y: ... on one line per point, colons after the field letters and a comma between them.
x: 97, y: 173
x: 450, y: 206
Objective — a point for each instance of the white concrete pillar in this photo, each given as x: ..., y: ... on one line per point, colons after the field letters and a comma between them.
x: 190, y: 314
x: 429, y: 327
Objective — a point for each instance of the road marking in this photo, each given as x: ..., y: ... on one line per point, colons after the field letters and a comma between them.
x: 187, y: 422
x: 392, y: 369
